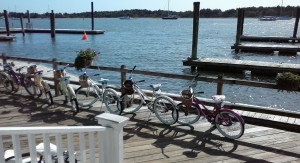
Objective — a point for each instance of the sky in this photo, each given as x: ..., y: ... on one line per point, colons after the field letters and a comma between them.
x: 71, y: 6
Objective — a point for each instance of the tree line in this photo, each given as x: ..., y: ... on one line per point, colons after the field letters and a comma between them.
x: 251, y: 12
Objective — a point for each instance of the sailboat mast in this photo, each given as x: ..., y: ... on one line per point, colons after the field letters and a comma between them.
x: 168, y: 7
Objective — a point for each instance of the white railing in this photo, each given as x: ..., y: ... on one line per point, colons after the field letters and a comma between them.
x: 105, y: 143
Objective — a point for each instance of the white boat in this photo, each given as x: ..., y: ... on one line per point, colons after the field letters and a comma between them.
x: 267, y: 18
x: 284, y: 18
x: 125, y: 17
x: 170, y: 16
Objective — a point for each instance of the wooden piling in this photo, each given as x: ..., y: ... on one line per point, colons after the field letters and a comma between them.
x: 239, y: 28
x: 195, y: 33
x: 220, y: 85
x: 123, y: 74
x: 56, y: 82
x: 22, y: 26
x: 243, y: 18
x: 4, y: 59
x: 52, y: 23
x: 296, y: 24
x: 92, y: 14
x: 28, y: 24
x: 6, y: 22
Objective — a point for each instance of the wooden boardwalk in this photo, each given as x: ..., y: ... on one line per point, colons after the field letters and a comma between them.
x: 146, y: 140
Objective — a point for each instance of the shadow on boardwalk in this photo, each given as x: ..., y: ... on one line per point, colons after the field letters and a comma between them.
x: 147, y: 140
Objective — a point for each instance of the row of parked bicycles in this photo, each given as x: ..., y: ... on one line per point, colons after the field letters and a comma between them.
x: 130, y: 99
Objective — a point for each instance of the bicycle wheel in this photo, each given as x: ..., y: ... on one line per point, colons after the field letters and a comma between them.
x: 229, y: 124
x: 111, y: 101
x: 87, y: 96
x: 165, y: 110
x: 131, y: 103
x: 6, y: 82
x: 30, y: 87
x: 74, y: 105
x: 48, y: 97
x: 187, y: 115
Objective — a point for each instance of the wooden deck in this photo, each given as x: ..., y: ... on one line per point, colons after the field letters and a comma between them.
x: 149, y: 141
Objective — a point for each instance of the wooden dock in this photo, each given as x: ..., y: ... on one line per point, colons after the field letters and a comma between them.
x: 269, y: 39
x: 62, y: 31
x: 147, y: 140
x: 268, y: 48
x: 256, y: 67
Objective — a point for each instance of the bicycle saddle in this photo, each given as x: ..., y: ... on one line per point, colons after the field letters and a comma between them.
x: 218, y: 98
x: 155, y: 87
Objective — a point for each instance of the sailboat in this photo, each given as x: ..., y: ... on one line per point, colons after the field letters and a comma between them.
x: 283, y: 17
x: 170, y: 16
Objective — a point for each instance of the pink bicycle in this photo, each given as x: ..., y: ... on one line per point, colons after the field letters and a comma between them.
x: 228, y: 123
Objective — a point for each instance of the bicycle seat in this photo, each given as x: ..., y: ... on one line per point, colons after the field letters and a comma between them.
x: 218, y: 98
x: 155, y: 87
x: 103, y: 81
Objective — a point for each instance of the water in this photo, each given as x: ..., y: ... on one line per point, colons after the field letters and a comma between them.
x: 161, y: 45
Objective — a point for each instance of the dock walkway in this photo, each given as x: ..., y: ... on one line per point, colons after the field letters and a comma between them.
x: 62, y: 31
x: 147, y: 140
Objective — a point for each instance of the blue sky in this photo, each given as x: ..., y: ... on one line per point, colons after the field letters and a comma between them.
x: 70, y: 6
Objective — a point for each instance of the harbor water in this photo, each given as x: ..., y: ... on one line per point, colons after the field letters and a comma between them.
x: 160, y: 45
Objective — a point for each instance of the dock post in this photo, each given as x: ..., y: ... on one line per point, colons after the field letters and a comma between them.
x: 56, y: 82
x: 4, y: 59
x: 52, y: 24
x: 195, y: 33
x: 92, y: 14
x: 22, y: 26
x: 296, y: 24
x: 243, y: 18
x: 6, y: 23
x: 239, y: 29
x: 123, y: 74
x: 220, y: 85
x: 28, y: 24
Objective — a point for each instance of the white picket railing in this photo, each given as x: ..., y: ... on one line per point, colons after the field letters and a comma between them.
x: 109, y: 143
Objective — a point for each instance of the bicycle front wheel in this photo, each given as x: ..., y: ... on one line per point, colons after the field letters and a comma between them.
x: 87, y: 96
x: 131, y: 103
x: 6, y: 82
x: 229, y: 124
x: 165, y: 110
x: 30, y: 87
x: 111, y: 101
x: 187, y: 115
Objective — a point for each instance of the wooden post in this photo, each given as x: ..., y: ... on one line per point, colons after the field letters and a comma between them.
x: 22, y: 26
x: 243, y: 18
x: 4, y: 59
x: 28, y: 24
x: 123, y: 74
x: 195, y: 33
x: 56, y: 82
x: 92, y: 14
x: 296, y: 24
x: 239, y: 28
x: 6, y: 23
x: 52, y: 23
x: 220, y: 85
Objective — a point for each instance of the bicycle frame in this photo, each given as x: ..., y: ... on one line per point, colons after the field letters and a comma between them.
x: 64, y: 82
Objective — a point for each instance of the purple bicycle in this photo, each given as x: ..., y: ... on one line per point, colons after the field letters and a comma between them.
x: 228, y: 123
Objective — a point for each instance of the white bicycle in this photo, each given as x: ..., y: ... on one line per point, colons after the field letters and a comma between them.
x: 90, y: 91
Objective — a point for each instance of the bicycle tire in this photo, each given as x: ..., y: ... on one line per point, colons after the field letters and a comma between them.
x: 187, y: 115
x: 131, y: 103
x: 49, y: 97
x: 229, y: 124
x: 74, y: 105
x: 165, y: 110
x: 87, y: 96
x: 6, y: 82
x: 111, y: 101
x: 30, y: 87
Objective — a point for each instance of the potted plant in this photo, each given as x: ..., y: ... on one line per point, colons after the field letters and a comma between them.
x: 85, y: 58
x: 288, y: 81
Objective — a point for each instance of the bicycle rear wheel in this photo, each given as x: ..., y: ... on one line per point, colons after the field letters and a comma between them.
x: 131, y: 103
x: 6, y: 82
x: 187, y: 115
x: 111, y: 101
x: 165, y: 110
x: 87, y: 96
x: 229, y: 124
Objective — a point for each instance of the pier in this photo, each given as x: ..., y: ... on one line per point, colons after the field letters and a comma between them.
x: 61, y: 31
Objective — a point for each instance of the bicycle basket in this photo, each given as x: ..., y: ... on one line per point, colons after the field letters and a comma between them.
x: 128, y: 87
x: 83, y: 80
x: 31, y: 69
x: 186, y: 98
